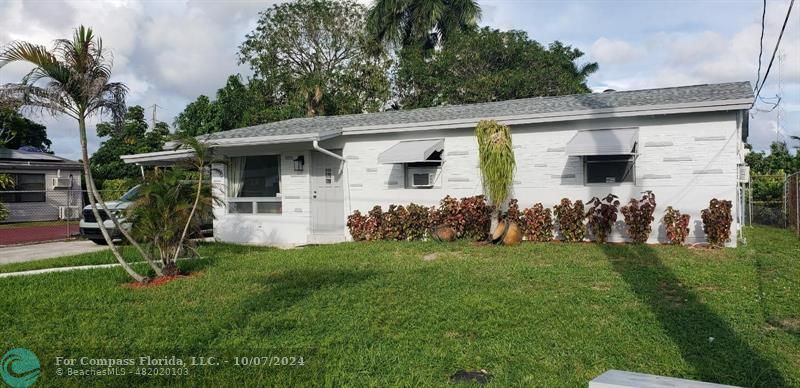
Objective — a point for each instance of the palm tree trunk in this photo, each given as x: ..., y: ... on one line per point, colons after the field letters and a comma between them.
x: 191, y: 213
x: 147, y: 257
x: 92, y: 202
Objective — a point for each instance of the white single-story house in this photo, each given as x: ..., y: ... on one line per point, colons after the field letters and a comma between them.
x: 295, y: 181
x: 46, y: 187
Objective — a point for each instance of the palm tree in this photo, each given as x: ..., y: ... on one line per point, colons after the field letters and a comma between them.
x: 424, y: 22
x: 73, y: 79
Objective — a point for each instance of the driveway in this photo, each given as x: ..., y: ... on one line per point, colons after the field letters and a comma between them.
x: 18, y: 254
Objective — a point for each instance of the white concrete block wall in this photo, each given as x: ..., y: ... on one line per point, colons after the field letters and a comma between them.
x: 291, y: 227
x: 684, y: 159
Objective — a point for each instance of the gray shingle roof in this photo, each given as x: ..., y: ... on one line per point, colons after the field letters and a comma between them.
x: 27, y: 156
x: 526, y: 106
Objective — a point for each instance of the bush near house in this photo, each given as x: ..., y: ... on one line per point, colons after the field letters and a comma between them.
x: 569, y: 218
x: 602, y: 215
x: 470, y: 218
x: 394, y: 225
x: 356, y: 223
x: 639, y: 216
x: 373, y: 228
x: 717, y: 220
x: 677, y: 225
x: 537, y: 223
x: 477, y: 219
x: 513, y: 214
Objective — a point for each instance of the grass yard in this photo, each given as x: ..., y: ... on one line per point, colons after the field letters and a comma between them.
x: 392, y: 313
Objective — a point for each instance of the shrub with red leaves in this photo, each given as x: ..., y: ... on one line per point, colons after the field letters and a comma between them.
x: 356, y: 223
x: 639, y: 216
x: 677, y: 225
x: 569, y: 219
x: 538, y: 223
x: 717, y: 221
x: 602, y: 215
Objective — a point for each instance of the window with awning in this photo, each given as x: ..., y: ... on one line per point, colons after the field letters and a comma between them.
x: 609, y: 155
x: 620, y: 141
x: 413, y: 151
x: 420, y: 159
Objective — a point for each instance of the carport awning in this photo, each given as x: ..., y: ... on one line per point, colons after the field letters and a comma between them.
x: 158, y: 158
x: 411, y: 151
x: 621, y: 141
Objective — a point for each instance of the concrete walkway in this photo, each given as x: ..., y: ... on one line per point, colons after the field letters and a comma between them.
x: 61, y: 269
x: 23, y: 253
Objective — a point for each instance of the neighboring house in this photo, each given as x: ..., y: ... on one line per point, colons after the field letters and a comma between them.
x: 47, y: 187
x: 295, y: 181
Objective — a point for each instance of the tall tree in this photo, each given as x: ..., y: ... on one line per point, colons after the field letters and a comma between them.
x: 17, y: 130
x: 421, y: 23
x: 237, y: 105
x: 199, y: 117
x: 73, y: 79
x: 315, y: 54
x: 489, y: 65
x: 132, y: 137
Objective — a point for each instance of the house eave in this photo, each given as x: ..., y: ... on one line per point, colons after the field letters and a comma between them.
x: 20, y: 165
x: 157, y: 158
x: 264, y: 140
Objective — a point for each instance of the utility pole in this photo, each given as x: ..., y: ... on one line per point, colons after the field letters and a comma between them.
x: 154, y: 107
x: 778, y: 133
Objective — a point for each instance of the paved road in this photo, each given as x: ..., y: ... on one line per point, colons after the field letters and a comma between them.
x: 18, y: 254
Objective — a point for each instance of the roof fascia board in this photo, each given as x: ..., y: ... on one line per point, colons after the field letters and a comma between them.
x: 40, y: 166
x: 260, y: 140
x: 543, y: 118
x: 157, y: 156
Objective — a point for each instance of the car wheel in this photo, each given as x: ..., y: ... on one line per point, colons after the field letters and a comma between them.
x: 99, y: 241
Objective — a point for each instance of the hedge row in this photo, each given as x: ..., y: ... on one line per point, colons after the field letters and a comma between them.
x: 470, y: 218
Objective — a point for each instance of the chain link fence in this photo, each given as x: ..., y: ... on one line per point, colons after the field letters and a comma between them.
x: 792, y: 202
x: 773, y: 201
x: 39, y: 216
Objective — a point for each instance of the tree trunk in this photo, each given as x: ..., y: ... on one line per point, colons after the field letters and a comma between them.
x: 191, y: 214
x: 125, y: 233
x: 93, y: 203
x: 495, y: 220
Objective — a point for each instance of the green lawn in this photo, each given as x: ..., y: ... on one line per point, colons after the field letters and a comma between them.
x: 380, y: 314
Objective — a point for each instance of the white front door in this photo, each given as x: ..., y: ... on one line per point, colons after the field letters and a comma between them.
x: 327, y: 198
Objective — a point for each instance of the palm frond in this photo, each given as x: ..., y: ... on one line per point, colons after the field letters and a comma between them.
x: 37, y: 99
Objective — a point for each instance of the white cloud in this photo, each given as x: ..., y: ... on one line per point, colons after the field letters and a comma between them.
x: 610, y: 51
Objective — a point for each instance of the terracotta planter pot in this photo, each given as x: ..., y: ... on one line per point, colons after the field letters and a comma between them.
x: 498, y: 232
x: 443, y: 233
x: 513, y: 234
x: 507, y: 233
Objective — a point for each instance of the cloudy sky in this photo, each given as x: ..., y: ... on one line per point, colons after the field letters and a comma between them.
x: 169, y: 52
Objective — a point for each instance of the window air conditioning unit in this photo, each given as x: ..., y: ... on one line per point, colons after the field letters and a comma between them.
x: 62, y: 183
x: 69, y: 213
x: 744, y: 174
x: 421, y: 176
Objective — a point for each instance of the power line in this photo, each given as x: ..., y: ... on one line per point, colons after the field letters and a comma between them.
x: 761, y: 43
x: 777, y: 44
